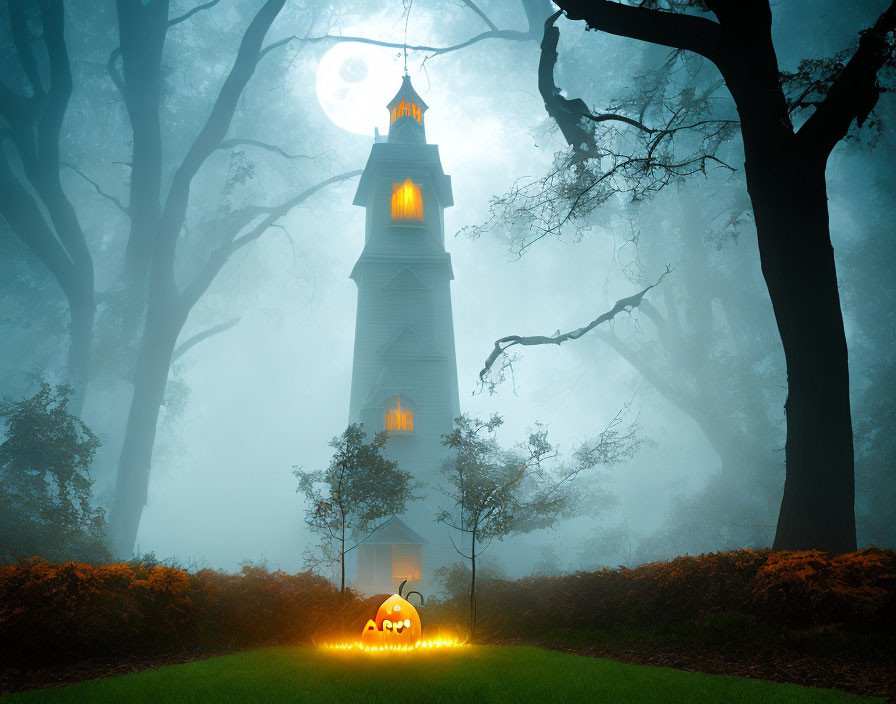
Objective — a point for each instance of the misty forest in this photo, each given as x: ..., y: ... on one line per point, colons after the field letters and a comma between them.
x: 544, y: 349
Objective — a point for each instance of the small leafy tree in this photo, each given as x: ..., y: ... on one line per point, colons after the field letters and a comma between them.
x: 46, y: 492
x: 495, y: 492
x: 355, y: 494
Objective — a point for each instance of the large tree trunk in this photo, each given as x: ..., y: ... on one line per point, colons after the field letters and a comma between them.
x: 142, y: 31
x: 20, y: 209
x: 82, y: 306
x: 167, y: 308
x: 786, y: 181
x: 150, y: 379
x: 790, y: 205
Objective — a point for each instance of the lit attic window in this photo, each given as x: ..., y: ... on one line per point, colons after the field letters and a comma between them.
x: 407, y: 201
x: 407, y: 109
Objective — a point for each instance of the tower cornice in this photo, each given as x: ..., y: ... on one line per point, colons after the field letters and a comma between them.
x: 439, y: 262
x: 386, y: 155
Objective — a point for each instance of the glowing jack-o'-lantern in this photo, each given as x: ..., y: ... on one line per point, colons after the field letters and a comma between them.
x: 397, y: 622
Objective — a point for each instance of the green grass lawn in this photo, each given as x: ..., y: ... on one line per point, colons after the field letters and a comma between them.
x: 468, y: 675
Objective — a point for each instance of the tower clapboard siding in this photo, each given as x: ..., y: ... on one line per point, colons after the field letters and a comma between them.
x: 404, y: 357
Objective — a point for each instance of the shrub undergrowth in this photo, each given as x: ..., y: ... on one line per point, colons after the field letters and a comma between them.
x: 65, y: 611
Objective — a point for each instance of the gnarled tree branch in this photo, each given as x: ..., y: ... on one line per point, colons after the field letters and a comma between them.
x: 232, y: 243
x: 211, y: 134
x: 190, y: 343
x: 189, y: 13
x: 672, y: 29
x: 535, y: 10
x: 855, y: 92
x: 240, y: 141
x: 108, y: 196
x: 568, y: 113
x: 475, y: 8
x: 504, y: 343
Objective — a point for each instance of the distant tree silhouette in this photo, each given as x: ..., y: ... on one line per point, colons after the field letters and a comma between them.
x: 46, y: 504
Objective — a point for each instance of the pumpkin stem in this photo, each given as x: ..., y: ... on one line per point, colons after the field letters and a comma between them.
x: 401, y: 586
x: 418, y: 594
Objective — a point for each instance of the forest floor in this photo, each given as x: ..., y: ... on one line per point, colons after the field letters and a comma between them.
x: 848, y: 670
x: 20, y: 678
x: 493, y: 674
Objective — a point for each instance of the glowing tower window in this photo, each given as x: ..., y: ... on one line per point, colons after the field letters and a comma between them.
x: 406, y: 561
x: 400, y: 419
x: 406, y: 109
x: 407, y: 201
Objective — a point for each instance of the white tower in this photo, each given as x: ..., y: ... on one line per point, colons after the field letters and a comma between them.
x: 404, y: 376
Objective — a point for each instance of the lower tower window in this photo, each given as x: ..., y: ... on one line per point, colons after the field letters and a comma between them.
x: 400, y: 419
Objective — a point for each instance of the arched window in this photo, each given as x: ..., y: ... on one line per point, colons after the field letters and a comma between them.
x: 407, y: 201
x: 406, y: 109
x: 400, y: 419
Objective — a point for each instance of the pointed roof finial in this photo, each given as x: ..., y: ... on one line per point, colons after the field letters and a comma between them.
x: 407, y: 16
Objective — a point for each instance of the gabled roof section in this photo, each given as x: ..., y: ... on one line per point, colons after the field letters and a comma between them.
x: 385, y: 378
x: 410, y: 344
x: 395, y: 532
x: 406, y: 279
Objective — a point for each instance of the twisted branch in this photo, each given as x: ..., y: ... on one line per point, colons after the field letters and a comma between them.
x: 504, y: 343
x: 108, y: 196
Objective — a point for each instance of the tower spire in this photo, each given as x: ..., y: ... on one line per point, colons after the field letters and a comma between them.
x: 406, y: 115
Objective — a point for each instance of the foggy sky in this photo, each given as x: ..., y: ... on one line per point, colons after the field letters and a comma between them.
x: 269, y: 393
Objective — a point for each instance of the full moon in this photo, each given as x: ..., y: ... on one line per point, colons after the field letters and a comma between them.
x: 354, y: 83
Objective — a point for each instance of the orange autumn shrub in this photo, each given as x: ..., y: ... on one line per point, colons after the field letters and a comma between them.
x: 276, y: 607
x: 802, y: 590
x: 816, y: 588
x: 651, y: 594
x: 50, y: 611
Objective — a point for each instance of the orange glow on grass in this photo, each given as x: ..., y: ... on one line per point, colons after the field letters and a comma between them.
x: 432, y: 644
x: 397, y: 628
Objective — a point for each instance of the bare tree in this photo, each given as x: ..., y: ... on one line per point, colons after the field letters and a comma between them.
x: 32, y: 200
x: 356, y: 494
x: 493, y: 493
x: 168, y: 303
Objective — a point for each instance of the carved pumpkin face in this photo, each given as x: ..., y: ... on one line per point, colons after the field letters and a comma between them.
x: 397, y: 623
x: 371, y: 636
